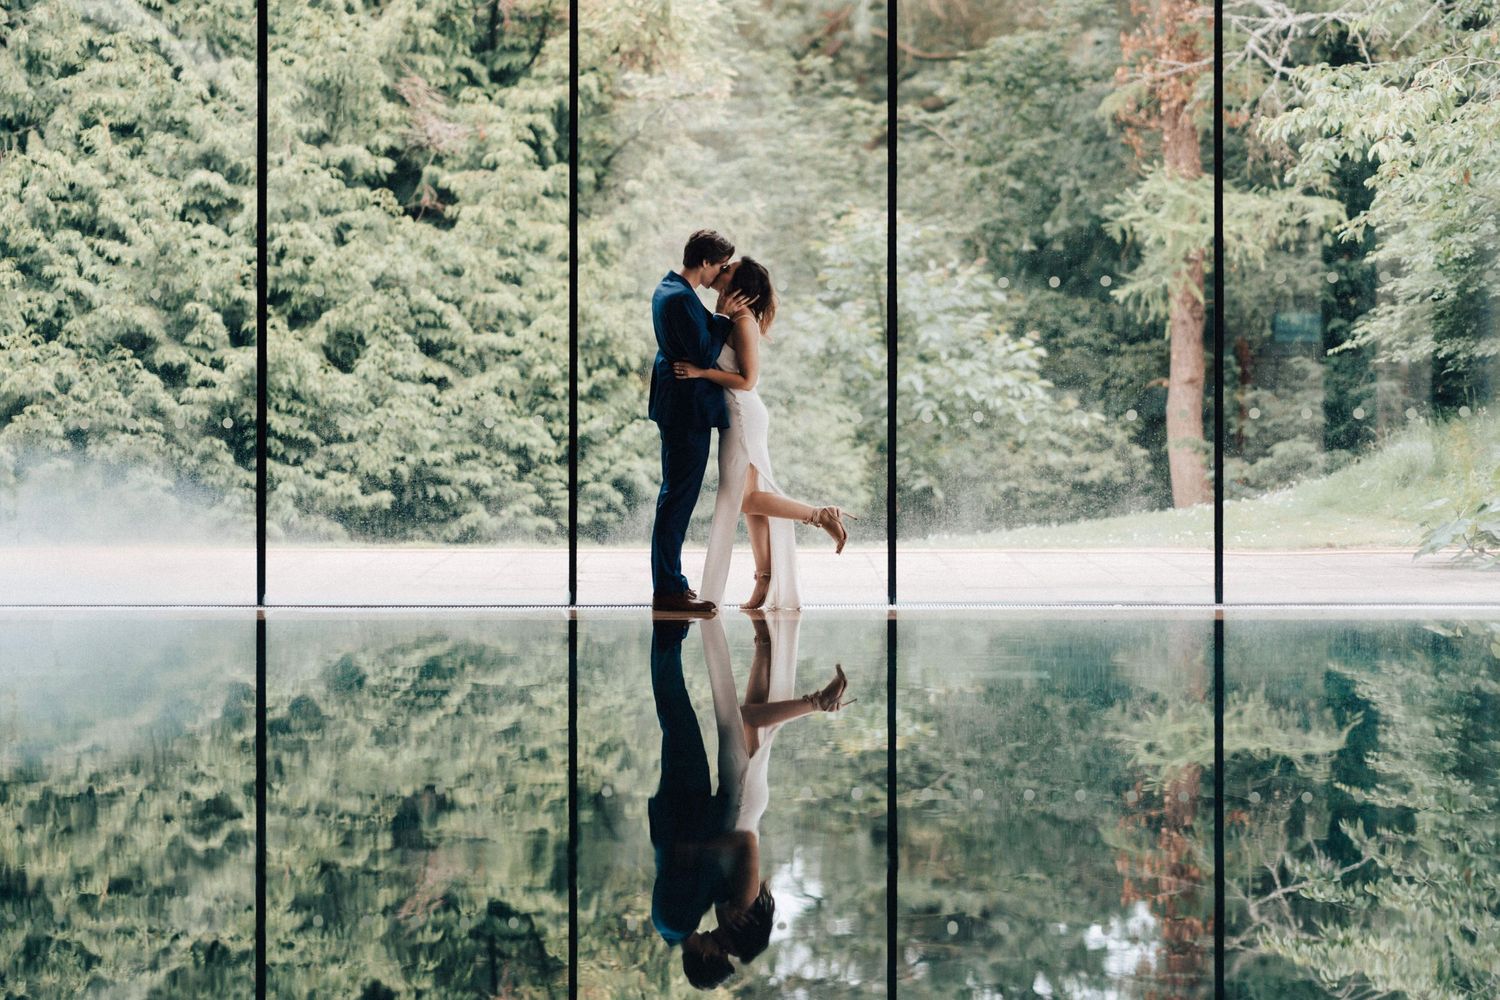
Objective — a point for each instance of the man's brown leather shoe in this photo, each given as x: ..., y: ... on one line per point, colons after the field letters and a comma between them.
x: 684, y: 603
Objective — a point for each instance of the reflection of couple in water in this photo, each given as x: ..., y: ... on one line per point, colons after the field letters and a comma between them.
x: 708, y: 843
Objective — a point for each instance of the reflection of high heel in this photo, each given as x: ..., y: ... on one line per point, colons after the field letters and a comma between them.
x: 831, y: 520
x: 758, y: 597
x: 831, y: 698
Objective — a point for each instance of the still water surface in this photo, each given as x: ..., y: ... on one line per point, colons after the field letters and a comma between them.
x: 1053, y: 807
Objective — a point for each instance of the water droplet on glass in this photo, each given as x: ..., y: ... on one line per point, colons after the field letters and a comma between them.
x: 1003, y: 282
x: 1254, y: 797
x: 1106, y: 281
x: 1306, y: 413
x: 1359, y: 413
x: 927, y: 418
x: 1054, y: 281
x: 1131, y: 415
x: 1131, y: 796
x: 952, y: 927
x: 978, y: 417
x: 317, y: 920
x: 227, y: 422
x: 513, y: 923
x: 1411, y: 413
x: 1332, y: 278
x: 1028, y: 795
x: 607, y: 791
x: 1182, y: 796
x: 1254, y: 413
x: 489, y: 421
x: 1464, y: 411
x: 977, y: 794
x: 1307, y: 796
x: 856, y: 793
x: 1080, y: 795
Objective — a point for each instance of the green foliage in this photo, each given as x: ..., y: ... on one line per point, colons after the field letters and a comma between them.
x: 1395, y: 895
x: 1472, y: 521
x: 127, y: 303
x: 418, y: 245
x: 1425, y: 114
x: 418, y: 794
x: 708, y: 116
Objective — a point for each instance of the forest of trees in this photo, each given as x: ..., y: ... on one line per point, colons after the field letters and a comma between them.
x: 1054, y: 261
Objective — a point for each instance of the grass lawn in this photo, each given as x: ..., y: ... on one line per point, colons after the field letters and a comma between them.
x: 1379, y: 501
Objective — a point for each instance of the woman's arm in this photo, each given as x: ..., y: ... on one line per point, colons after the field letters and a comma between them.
x: 744, y: 340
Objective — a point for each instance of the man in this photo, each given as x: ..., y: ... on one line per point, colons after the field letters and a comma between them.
x: 686, y: 410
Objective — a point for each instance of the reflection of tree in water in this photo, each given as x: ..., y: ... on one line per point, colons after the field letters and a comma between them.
x: 1368, y: 832
x: 126, y: 855
x: 1028, y: 740
x: 417, y: 829
x: 1162, y: 859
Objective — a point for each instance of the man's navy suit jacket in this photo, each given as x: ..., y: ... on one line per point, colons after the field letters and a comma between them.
x: 685, y: 331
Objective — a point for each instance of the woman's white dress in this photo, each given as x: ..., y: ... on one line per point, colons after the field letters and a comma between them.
x: 746, y: 776
x: 745, y: 442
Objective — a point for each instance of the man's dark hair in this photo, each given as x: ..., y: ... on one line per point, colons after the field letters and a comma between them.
x: 706, y: 245
x: 749, y: 935
x: 705, y: 972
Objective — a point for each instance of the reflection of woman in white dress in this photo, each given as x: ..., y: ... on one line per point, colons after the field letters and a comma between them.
x: 746, y: 729
x: 746, y: 484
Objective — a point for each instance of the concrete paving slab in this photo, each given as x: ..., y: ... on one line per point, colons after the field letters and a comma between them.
x: 509, y: 575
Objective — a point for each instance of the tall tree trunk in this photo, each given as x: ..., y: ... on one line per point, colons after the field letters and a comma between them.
x: 1185, y: 374
x: 1167, y: 52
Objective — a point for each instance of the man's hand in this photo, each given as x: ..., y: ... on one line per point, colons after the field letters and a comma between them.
x: 733, y: 303
x: 683, y: 369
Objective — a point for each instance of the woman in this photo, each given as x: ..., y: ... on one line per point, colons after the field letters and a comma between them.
x: 745, y: 481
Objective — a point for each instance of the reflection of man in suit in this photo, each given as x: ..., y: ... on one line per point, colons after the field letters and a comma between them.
x: 701, y: 860
x: 686, y: 410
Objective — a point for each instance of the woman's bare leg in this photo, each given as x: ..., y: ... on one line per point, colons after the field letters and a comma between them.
x: 758, y: 687
x: 759, y: 527
x: 758, y: 501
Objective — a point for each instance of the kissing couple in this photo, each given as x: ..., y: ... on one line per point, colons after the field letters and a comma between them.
x: 704, y: 377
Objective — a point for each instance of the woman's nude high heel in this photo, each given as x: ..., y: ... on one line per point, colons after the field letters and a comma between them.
x: 831, y: 698
x: 831, y: 520
x: 758, y: 596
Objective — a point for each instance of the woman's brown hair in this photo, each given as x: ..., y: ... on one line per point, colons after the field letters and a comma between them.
x: 752, y: 280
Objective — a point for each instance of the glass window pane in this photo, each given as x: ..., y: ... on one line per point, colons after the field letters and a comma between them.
x: 722, y: 117
x: 418, y: 200
x: 127, y: 303
x: 1363, y: 444
x: 1056, y: 228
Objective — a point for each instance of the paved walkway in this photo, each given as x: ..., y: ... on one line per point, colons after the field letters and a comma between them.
x: 478, y: 576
